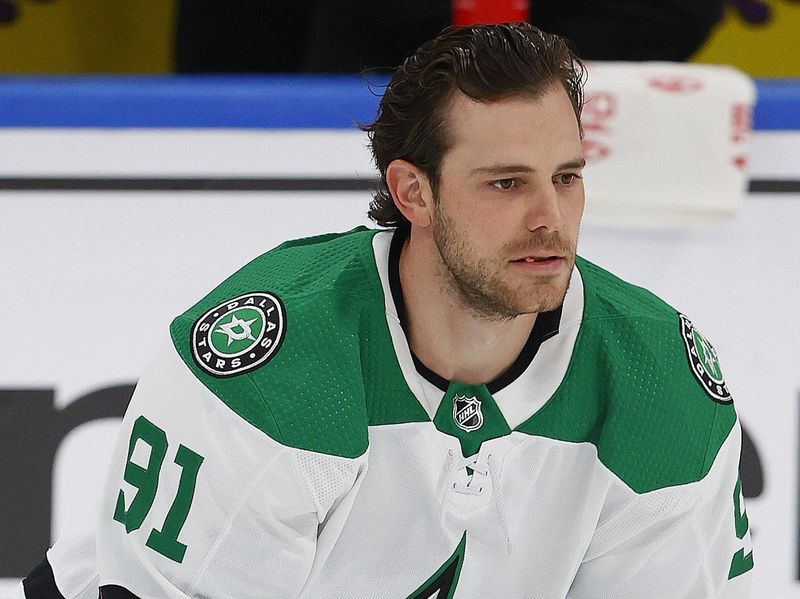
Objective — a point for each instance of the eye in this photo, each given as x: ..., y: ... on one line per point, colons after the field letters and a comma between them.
x: 567, y: 178
x: 504, y: 184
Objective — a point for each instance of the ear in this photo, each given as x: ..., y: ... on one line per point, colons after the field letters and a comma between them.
x: 411, y: 191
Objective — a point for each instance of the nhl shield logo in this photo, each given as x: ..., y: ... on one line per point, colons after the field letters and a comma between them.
x: 467, y: 413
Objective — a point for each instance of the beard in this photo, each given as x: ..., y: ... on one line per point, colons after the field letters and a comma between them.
x: 480, y: 283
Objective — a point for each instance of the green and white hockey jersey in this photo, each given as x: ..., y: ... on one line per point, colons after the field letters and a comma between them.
x: 287, y: 443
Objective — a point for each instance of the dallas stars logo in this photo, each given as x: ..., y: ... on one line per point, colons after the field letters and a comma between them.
x: 229, y: 329
x: 704, y: 362
x: 239, y: 335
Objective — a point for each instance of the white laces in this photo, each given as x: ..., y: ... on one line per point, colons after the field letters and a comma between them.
x: 481, y: 470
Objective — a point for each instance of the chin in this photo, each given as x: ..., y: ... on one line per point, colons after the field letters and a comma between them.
x: 545, y: 300
x: 542, y: 306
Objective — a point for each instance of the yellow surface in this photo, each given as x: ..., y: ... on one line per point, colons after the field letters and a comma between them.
x: 89, y: 36
x: 771, y: 50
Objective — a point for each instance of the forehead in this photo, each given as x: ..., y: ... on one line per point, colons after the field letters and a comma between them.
x: 514, y: 127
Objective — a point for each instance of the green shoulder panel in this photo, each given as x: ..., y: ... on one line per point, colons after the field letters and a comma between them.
x: 296, y: 343
x: 635, y: 388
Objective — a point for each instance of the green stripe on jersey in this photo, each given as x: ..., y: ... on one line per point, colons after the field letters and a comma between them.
x: 630, y: 392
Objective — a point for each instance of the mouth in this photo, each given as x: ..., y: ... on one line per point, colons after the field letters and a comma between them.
x: 538, y: 259
x: 540, y: 264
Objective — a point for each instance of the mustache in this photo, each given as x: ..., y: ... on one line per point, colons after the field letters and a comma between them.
x: 542, y: 242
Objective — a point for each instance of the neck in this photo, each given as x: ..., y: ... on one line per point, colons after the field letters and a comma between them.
x: 447, y: 335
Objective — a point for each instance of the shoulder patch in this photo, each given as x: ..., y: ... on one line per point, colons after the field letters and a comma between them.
x: 704, y: 362
x: 239, y: 334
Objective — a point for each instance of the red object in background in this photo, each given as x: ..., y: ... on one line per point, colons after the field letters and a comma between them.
x: 677, y: 84
x: 472, y: 12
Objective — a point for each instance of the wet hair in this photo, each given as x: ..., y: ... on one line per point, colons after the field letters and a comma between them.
x: 484, y: 62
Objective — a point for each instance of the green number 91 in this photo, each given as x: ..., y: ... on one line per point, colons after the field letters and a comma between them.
x: 145, y: 480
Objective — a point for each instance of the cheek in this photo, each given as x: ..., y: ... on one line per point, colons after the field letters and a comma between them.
x: 477, y: 219
x: 470, y: 213
x: 573, y: 210
x: 490, y: 230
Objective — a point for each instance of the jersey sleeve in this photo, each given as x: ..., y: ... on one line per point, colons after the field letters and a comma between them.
x: 684, y: 542
x: 673, y: 524
x: 67, y: 572
x: 199, y: 502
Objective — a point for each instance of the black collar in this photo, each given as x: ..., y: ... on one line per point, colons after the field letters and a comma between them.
x: 546, y: 326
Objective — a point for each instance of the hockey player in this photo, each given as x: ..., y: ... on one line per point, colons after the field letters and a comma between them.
x: 454, y: 406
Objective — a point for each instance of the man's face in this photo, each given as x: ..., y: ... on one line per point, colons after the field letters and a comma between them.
x: 509, y: 203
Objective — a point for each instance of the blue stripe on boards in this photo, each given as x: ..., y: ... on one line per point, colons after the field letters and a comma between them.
x: 250, y: 101
x: 241, y: 102
x: 777, y: 105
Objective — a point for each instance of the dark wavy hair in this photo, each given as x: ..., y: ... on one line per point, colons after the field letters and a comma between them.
x: 484, y: 62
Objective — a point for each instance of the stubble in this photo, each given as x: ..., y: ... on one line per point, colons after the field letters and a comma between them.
x: 481, y: 283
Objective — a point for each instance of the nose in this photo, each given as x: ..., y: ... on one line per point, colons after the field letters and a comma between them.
x: 543, y: 210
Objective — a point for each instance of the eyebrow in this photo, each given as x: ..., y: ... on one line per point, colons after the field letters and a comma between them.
x: 503, y: 169
x: 579, y: 163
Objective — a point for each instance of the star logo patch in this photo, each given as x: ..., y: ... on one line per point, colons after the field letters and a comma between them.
x: 704, y: 362
x: 239, y: 335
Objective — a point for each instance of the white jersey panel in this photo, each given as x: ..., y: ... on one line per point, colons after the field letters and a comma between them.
x: 74, y: 569
x: 672, y: 543
x: 542, y: 518
x: 255, y: 513
x: 528, y: 511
